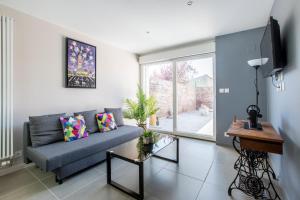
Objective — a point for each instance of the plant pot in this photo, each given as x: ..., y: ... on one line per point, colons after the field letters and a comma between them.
x: 148, y: 148
x: 153, y: 120
x: 148, y: 140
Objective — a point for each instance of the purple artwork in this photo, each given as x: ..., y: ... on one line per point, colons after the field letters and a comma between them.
x: 81, y: 65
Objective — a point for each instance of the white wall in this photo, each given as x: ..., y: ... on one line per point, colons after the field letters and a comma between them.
x: 179, y: 52
x: 283, y: 107
x: 39, y: 70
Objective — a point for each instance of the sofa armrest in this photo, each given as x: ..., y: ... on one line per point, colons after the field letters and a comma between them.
x: 26, y: 141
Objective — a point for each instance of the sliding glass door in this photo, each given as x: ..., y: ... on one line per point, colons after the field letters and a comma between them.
x: 158, y: 82
x: 187, y: 100
x: 195, y: 96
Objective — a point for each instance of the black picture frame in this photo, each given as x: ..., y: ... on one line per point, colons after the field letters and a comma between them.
x: 81, y: 64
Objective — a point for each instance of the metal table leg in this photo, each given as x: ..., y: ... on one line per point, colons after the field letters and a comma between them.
x: 140, y: 195
x: 169, y: 159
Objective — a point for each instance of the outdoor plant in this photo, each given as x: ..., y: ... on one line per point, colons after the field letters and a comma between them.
x: 140, y: 109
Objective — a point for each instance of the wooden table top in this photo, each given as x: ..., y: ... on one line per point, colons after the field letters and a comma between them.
x: 267, y: 134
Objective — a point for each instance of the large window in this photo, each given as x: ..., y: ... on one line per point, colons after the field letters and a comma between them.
x: 186, y: 101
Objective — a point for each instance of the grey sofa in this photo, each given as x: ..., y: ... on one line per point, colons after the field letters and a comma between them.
x: 67, y: 158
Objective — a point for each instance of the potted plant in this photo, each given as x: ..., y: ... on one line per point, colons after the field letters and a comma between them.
x: 141, y: 109
x: 149, y: 137
x: 146, y: 143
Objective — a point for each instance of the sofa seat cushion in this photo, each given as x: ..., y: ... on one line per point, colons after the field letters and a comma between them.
x: 55, y: 155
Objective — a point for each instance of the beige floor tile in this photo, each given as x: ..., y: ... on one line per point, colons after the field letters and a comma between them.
x: 221, y: 174
x: 35, y: 191
x: 191, y: 166
x: 73, y: 183
x: 199, y: 161
x: 219, y: 192
x: 37, y: 172
x: 97, y: 190
x: 116, y: 164
x: 225, y: 155
x: 168, y: 185
x: 15, y: 181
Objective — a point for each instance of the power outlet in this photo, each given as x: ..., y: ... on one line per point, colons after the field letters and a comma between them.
x: 4, y: 163
x: 223, y: 90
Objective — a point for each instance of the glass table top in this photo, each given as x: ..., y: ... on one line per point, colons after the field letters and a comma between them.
x: 137, y: 151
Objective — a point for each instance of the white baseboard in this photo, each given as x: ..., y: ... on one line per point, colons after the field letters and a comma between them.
x: 12, y: 169
x: 18, y: 165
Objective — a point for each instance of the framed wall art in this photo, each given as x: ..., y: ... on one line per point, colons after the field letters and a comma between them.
x: 81, y: 64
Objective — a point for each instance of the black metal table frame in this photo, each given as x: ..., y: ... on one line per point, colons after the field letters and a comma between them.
x: 251, y: 167
x: 140, y: 164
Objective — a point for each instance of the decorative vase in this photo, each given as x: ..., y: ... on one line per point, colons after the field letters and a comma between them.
x: 153, y: 120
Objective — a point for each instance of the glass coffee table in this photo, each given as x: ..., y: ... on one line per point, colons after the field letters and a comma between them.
x: 136, y: 152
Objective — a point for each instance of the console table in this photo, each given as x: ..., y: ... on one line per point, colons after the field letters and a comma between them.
x: 253, y: 169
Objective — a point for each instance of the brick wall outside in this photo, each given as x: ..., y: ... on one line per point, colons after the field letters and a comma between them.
x: 189, y: 99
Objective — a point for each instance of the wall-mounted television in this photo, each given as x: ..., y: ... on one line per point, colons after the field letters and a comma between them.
x: 270, y: 48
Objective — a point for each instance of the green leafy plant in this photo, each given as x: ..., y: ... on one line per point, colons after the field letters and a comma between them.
x: 141, y: 109
x: 148, y: 134
x: 150, y: 137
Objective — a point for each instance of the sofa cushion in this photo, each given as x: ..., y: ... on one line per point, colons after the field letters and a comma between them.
x: 106, y: 122
x: 53, y: 156
x: 90, y: 120
x: 45, y: 129
x: 73, y: 127
x: 118, y: 115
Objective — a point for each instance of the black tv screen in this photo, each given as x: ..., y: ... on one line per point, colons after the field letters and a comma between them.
x: 270, y: 48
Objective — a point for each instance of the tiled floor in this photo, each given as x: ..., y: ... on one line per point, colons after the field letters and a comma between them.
x: 192, y: 122
x: 204, y: 173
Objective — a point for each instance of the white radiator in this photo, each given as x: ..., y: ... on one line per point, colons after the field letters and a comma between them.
x: 6, y: 87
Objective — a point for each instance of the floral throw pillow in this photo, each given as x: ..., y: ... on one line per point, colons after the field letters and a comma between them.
x: 73, y: 127
x: 106, y: 122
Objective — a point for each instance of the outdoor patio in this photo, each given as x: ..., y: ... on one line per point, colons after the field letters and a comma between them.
x: 190, y: 122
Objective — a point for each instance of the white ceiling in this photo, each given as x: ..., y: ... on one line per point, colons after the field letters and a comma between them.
x: 124, y: 23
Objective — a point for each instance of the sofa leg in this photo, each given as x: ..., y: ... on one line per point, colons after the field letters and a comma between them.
x: 27, y: 161
x: 58, y: 180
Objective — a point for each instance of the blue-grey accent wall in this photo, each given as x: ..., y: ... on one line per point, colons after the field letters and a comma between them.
x: 232, y: 71
x: 284, y: 107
